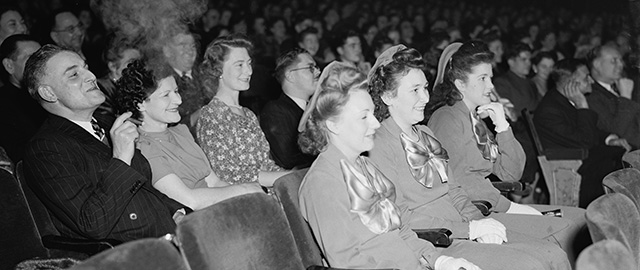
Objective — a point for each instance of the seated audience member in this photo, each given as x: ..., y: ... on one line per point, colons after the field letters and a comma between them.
x: 119, y: 53
x: 180, y: 53
x: 542, y: 64
x: 179, y: 168
x: 308, y: 40
x: 611, y: 95
x: 564, y: 120
x: 22, y: 115
x: 347, y: 202
x: 67, y: 32
x: 298, y: 74
x: 522, y: 93
x: 413, y: 159
x: 228, y: 133
x: 11, y: 23
x: 462, y: 96
x: 94, y: 184
x: 347, y: 48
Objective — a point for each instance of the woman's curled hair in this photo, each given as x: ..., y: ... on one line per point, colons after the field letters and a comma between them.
x: 459, y: 66
x: 214, y: 56
x: 332, y: 97
x: 137, y: 83
x: 386, y: 78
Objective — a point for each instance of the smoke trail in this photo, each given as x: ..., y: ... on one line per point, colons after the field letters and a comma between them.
x: 148, y: 23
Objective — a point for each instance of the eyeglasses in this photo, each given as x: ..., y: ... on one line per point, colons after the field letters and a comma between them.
x: 312, y: 68
x: 71, y: 29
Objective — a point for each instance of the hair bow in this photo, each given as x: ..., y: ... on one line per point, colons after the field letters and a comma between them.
x: 385, y: 58
x: 445, y: 58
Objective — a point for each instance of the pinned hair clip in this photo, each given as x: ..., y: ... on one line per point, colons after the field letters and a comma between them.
x: 384, y: 59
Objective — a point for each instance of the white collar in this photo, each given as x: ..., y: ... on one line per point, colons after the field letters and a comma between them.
x: 609, y: 88
x: 86, y: 126
x: 180, y: 73
x: 300, y: 102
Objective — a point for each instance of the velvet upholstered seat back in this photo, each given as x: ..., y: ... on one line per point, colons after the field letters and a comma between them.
x: 606, y: 254
x: 244, y: 232
x: 615, y: 216
x: 624, y: 181
x: 286, y: 189
x: 143, y: 254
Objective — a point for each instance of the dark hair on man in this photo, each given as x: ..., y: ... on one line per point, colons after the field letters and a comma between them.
x: 285, y: 61
x: 304, y: 33
x: 596, y: 53
x: 543, y: 55
x: 216, y: 54
x: 9, y: 49
x: 563, y: 70
x: 6, y: 8
x: 515, y: 49
x: 386, y: 78
x: 36, y: 65
x: 340, y: 39
x: 54, y: 14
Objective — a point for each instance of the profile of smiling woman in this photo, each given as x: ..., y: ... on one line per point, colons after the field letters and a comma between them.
x: 230, y: 134
x: 179, y: 167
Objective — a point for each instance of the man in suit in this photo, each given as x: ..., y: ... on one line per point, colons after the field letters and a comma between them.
x: 611, y: 97
x: 94, y: 186
x: 564, y: 120
x: 514, y: 86
x: 22, y: 115
x: 180, y: 53
x: 298, y: 74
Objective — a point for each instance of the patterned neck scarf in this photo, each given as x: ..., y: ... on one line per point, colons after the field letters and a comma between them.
x: 426, y: 157
x: 484, y: 139
x: 372, y: 196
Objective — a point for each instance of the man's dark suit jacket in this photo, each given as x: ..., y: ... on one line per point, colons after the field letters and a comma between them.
x: 279, y: 121
x: 90, y: 194
x: 616, y: 115
x: 193, y: 95
x: 561, y: 125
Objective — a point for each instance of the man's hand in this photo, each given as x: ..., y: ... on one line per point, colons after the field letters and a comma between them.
x: 573, y: 91
x: 123, y: 136
x: 625, y: 86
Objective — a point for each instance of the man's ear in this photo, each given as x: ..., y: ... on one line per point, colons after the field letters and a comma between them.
x: 112, y: 66
x: 46, y: 93
x: 166, y: 52
x: 289, y: 76
x: 510, y: 61
x: 8, y: 65
x: 340, y: 51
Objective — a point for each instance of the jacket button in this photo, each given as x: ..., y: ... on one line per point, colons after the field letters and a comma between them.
x: 133, y: 216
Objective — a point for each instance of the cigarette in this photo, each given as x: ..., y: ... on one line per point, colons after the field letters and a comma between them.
x: 134, y: 121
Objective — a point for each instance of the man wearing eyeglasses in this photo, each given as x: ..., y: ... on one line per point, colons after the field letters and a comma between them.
x: 298, y: 74
x: 611, y: 95
x: 67, y: 32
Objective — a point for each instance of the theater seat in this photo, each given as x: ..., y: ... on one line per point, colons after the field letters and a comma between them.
x: 141, y: 254
x: 51, y: 239
x: 624, y: 181
x: 559, y: 168
x: 632, y: 159
x: 606, y: 254
x: 20, y: 239
x: 244, y: 232
x: 614, y: 216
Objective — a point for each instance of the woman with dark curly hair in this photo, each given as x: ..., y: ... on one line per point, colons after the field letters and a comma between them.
x: 348, y: 203
x: 462, y: 95
x: 412, y: 157
x: 230, y: 134
x: 179, y: 167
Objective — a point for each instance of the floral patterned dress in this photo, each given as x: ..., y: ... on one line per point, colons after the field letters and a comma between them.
x: 235, y: 145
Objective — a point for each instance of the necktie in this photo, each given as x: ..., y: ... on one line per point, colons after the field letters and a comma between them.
x: 426, y: 157
x: 372, y: 196
x: 97, y: 130
x: 614, y: 87
x: 484, y: 139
